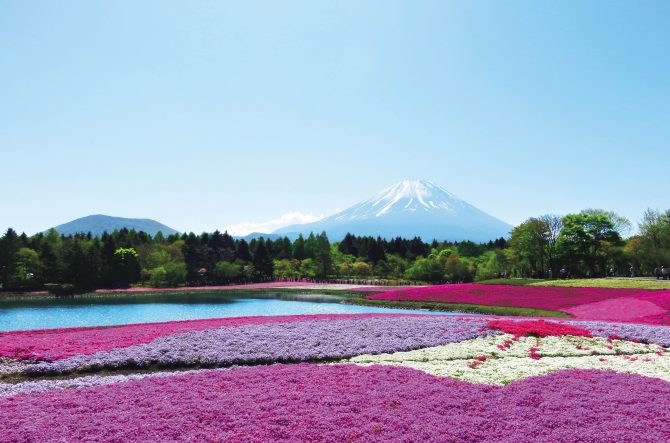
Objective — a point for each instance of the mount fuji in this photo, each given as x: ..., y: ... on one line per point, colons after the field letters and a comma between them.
x: 407, y: 209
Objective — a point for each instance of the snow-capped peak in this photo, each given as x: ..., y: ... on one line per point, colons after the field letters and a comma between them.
x: 407, y: 209
x: 405, y: 196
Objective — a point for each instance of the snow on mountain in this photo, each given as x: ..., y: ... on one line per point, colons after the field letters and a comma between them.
x: 408, y: 209
x: 408, y: 195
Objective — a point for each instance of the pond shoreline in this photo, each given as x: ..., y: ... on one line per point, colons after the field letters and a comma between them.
x: 287, y: 286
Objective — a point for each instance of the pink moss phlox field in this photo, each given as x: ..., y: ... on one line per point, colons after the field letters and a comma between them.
x: 315, y: 340
x: 56, y: 344
x: 33, y: 386
x: 650, y: 306
x: 308, y: 403
x: 537, y: 328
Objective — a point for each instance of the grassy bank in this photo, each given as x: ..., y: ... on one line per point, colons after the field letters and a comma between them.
x: 623, y: 283
x: 11, y: 296
x: 509, y: 281
x: 456, y: 307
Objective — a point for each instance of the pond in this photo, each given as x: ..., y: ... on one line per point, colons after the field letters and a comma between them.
x: 106, y: 310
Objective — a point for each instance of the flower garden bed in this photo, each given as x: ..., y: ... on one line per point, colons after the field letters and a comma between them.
x: 345, y: 403
x: 342, y: 378
x: 294, y: 341
x: 622, y: 305
x: 56, y: 344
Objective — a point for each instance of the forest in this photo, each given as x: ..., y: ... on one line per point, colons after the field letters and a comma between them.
x: 591, y: 243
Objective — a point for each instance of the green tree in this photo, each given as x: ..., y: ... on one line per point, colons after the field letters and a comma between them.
x: 361, y: 269
x: 299, y: 248
x: 425, y: 269
x: 242, y: 252
x: 9, y: 246
x: 584, y: 240
x: 262, y: 260
x: 347, y: 246
x: 651, y: 249
x: 491, y: 264
x: 50, y: 250
x: 530, y: 241
x: 458, y: 270
x: 397, y: 265
x: 323, y: 259
x: 175, y: 273
x: 26, y: 270
x: 158, y: 277
x: 286, y: 268
x: 227, y: 272
x: 308, y: 268
x: 78, y: 267
x: 382, y: 269
x: 126, y: 267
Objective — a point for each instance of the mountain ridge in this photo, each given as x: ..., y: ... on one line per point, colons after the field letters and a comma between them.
x: 97, y: 224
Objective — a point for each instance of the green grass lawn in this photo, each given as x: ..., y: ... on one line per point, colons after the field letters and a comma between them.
x: 628, y: 283
x: 509, y: 281
x: 458, y: 307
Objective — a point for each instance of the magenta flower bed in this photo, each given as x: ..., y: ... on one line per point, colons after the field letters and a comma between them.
x: 642, y: 306
x: 56, y: 344
x: 306, y: 403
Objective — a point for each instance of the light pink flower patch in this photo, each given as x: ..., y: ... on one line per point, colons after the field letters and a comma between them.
x: 617, y: 309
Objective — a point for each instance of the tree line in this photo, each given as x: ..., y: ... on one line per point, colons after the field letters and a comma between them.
x: 590, y: 243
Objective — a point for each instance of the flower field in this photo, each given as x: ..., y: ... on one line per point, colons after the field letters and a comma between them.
x: 345, y: 403
x: 367, y: 377
x: 620, y: 305
x: 56, y: 344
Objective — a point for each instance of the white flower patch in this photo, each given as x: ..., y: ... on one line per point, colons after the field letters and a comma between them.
x: 9, y: 366
x: 501, y: 360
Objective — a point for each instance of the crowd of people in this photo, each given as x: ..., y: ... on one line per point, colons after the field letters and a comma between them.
x: 662, y: 273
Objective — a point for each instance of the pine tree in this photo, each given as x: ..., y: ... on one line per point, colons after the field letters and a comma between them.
x: 347, y: 245
x: 262, y: 260
x: 242, y: 252
x: 9, y: 246
x: 322, y: 257
x: 299, y: 248
x: 376, y: 251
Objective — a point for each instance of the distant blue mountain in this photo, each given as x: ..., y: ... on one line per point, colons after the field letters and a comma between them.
x: 97, y: 224
x: 256, y: 235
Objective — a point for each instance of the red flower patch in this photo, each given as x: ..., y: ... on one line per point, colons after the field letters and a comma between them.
x: 537, y: 328
x: 534, y: 354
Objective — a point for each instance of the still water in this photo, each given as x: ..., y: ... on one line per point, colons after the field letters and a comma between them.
x: 98, y: 310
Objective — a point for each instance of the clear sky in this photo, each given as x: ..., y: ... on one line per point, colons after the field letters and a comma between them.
x: 207, y: 115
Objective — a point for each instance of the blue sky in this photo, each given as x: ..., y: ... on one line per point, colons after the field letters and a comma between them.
x: 207, y: 115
